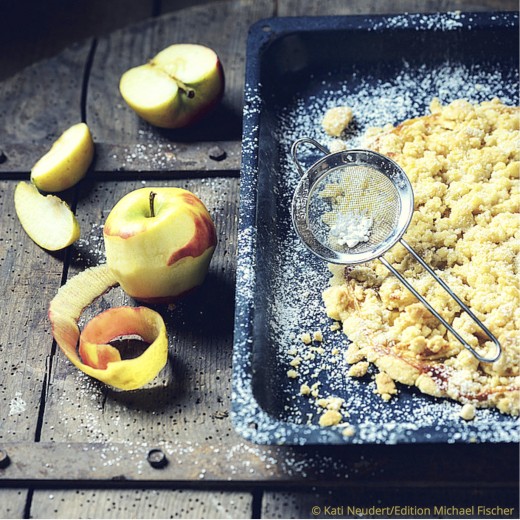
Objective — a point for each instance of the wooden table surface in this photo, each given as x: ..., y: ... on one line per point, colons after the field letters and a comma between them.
x: 77, y: 449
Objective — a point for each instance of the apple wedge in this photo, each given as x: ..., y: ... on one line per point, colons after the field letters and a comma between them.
x: 47, y: 219
x: 175, y: 88
x: 67, y: 162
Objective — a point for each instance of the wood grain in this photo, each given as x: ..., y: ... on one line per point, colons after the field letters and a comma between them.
x: 220, y: 25
x: 140, y: 503
x: 43, y: 100
x: 182, y: 404
x: 12, y: 502
x: 202, y: 158
x: 29, y: 276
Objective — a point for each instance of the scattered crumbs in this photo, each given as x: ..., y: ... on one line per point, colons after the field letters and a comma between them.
x: 292, y: 374
x: 317, y: 336
x: 336, y: 120
x: 335, y: 326
x: 315, y: 389
x: 349, y: 431
x: 330, y: 418
x: 296, y: 361
x: 331, y: 403
x: 306, y: 338
x: 305, y: 389
x: 337, y: 145
x: 359, y: 369
x: 468, y: 411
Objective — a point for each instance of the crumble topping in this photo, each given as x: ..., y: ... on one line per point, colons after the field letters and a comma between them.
x: 463, y: 161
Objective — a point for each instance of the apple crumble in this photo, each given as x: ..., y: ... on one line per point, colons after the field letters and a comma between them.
x: 463, y: 162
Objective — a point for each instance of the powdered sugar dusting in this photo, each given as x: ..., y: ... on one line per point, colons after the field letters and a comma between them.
x: 293, y: 279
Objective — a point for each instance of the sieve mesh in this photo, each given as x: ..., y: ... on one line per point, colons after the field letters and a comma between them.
x: 353, y: 208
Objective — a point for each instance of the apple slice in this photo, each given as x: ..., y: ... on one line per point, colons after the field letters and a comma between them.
x: 177, y: 87
x: 67, y: 162
x: 47, y: 220
x: 96, y: 357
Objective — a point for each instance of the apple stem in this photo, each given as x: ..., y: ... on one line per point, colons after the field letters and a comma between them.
x: 151, y: 199
x: 187, y: 90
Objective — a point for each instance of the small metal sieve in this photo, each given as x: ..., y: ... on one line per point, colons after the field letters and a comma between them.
x: 353, y: 206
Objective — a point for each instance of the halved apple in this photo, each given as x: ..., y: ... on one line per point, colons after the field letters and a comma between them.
x: 47, y: 220
x: 67, y: 162
x: 175, y: 88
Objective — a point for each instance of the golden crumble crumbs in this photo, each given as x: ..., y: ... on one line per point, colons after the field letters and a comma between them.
x: 468, y: 411
x: 463, y: 161
x: 330, y: 418
x: 336, y: 120
x: 359, y: 369
x: 306, y: 338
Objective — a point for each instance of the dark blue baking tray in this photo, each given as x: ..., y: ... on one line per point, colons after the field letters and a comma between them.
x: 387, y: 68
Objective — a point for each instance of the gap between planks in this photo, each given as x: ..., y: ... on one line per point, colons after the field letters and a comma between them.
x: 212, y: 158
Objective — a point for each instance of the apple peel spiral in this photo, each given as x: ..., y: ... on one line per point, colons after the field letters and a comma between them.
x: 95, y: 356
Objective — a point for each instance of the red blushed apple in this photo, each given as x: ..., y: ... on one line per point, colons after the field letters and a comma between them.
x: 159, y: 243
x: 177, y: 87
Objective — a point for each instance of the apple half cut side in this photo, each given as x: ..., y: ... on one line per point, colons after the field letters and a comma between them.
x: 47, y: 219
x: 177, y: 87
x: 95, y: 356
x: 67, y: 162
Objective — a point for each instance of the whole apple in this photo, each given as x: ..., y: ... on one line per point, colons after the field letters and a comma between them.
x: 175, y: 88
x: 159, y: 243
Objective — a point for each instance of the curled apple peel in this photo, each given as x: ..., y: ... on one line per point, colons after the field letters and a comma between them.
x: 96, y: 357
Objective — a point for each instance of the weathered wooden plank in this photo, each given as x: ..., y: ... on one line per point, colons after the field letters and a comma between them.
x: 174, y: 5
x: 140, y: 503
x: 340, y: 7
x: 28, y: 278
x: 393, y: 502
x: 220, y: 25
x: 40, y: 102
x: 12, y: 503
x: 199, y: 460
x: 33, y: 31
x: 216, y: 156
x: 190, y: 399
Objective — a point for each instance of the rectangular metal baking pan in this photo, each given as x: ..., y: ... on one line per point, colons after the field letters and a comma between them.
x: 295, y: 68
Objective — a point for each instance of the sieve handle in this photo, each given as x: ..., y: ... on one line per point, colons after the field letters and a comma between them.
x: 296, y: 145
x: 443, y: 284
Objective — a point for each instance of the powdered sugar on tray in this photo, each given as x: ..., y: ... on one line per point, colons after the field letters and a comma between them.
x: 308, y: 370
